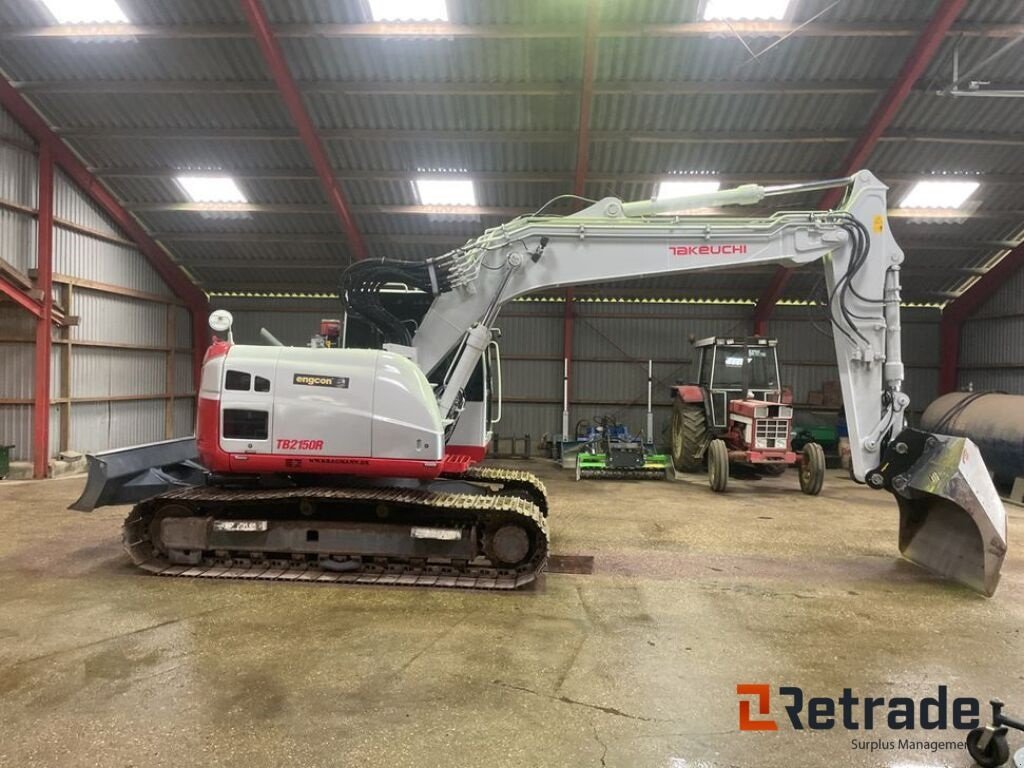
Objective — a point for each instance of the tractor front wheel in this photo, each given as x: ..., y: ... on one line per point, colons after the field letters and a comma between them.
x: 718, y: 465
x: 812, y: 469
x: 689, y: 435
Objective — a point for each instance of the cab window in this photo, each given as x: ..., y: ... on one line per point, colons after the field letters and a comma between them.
x: 237, y: 381
x: 262, y: 385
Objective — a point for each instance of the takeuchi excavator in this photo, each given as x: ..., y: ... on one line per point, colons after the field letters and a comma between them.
x: 362, y: 465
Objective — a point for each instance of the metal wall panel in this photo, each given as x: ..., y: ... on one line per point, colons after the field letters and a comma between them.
x: 69, y: 204
x: 183, y: 383
x: 19, y: 182
x: 1009, y: 299
x: 18, y: 239
x: 10, y: 129
x: 17, y: 371
x: 999, y: 380
x: 136, y: 422
x: 90, y: 427
x: 184, y: 417
x: 105, y: 372
x: 182, y: 328
x: 293, y: 329
x: 110, y: 318
x: 104, y: 262
x: 16, y: 430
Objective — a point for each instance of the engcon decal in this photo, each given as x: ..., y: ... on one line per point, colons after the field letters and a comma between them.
x: 724, y: 249
x: 316, y: 380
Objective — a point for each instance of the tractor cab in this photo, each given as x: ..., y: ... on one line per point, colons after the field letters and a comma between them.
x: 730, y: 369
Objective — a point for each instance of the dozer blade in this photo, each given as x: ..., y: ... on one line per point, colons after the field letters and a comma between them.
x: 952, y: 520
x: 131, y: 475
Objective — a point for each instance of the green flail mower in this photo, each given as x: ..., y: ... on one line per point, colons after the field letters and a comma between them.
x: 610, y: 451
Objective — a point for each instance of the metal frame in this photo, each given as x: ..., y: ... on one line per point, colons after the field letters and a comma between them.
x: 44, y: 329
x: 920, y: 57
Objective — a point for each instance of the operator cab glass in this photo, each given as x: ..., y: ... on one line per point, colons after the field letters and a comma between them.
x: 750, y: 368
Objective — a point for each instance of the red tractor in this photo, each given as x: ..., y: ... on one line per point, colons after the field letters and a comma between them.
x: 736, y: 412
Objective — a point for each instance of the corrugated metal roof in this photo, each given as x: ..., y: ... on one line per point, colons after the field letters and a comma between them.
x: 491, y: 132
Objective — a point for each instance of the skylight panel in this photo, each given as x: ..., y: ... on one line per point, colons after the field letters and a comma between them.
x: 945, y: 194
x: 450, y: 192
x: 409, y: 10
x: 212, y: 189
x: 86, y: 11
x: 745, y: 10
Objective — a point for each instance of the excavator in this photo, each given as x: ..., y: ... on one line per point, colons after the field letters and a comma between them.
x: 363, y: 465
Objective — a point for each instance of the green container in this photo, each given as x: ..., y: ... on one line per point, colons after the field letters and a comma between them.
x: 5, y: 460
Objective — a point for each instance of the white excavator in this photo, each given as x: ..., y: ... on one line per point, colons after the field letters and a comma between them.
x: 359, y: 465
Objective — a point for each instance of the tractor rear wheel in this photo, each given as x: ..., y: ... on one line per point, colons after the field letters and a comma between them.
x: 718, y: 465
x: 689, y: 435
x: 812, y: 469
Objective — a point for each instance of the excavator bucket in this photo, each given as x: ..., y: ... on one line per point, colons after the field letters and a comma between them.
x: 131, y: 475
x: 952, y: 520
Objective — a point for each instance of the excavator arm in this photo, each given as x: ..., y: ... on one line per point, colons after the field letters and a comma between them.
x: 952, y: 520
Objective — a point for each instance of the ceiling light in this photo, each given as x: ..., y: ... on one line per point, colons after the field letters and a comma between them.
x: 212, y: 189
x: 446, y: 192
x: 409, y: 10
x: 669, y: 189
x: 721, y: 10
x: 939, y: 194
x: 86, y: 11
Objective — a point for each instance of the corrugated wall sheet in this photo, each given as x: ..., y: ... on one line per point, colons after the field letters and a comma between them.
x: 992, y: 342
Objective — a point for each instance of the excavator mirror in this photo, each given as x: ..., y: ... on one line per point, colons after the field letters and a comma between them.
x: 221, y: 320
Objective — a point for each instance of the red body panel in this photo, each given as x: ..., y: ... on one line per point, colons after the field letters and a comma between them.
x: 689, y: 393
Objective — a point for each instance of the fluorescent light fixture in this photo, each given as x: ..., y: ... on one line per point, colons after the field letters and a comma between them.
x: 409, y: 10
x: 742, y: 10
x: 458, y: 192
x: 939, y: 194
x: 672, y: 188
x: 212, y: 189
x: 86, y: 11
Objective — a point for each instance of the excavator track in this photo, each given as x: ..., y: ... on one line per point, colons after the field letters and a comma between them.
x: 513, y: 482
x: 384, y: 536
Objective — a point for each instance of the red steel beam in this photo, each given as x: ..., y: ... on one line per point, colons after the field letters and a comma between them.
x: 927, y: 46
x: 582, y: 160
x: 956, y: 312
x: 65, y: 159
x: 292, y: 97
x: 17, y: 294
x: 44, y: 323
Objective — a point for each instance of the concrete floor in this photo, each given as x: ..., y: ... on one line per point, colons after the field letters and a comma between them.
x: 635, y: 665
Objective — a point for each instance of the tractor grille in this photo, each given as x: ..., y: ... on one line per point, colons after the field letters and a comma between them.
x: 771, y: 433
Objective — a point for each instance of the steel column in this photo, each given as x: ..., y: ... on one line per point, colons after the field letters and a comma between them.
x: 289, y: 91
x: 44, y: 328
x: 956, y: 313
x: 927, y: 46
x: 582, y: 160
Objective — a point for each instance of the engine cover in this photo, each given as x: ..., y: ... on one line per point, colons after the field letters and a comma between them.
x: 334, y: 411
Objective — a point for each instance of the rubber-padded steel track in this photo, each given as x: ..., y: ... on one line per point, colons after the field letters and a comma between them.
x: 426, y: 507
x: 513, y: 481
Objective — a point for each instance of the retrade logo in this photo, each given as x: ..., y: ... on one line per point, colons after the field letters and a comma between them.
x: 762, y: 694
x: 854, y: 713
